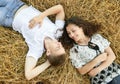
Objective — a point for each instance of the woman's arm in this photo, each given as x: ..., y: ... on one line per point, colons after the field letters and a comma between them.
x: 89, y: 66
x: 57, y: 9
x: 110, y: 58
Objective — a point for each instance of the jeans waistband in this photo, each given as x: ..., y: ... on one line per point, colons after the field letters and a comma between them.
x: 12, y: 8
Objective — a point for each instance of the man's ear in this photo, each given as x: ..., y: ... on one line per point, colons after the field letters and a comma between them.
x: 48, y: 52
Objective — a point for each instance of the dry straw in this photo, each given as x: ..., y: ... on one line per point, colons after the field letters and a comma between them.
x: 13, y: 47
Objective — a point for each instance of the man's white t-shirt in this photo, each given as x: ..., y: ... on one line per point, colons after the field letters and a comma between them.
x: 35, y: 37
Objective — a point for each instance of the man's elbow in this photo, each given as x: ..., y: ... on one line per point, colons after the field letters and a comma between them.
x: 60, y: 6
x: 61, y: 9
x: 28, y: 76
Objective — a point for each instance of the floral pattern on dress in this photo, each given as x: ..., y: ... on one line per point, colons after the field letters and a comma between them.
x: 82, y: 54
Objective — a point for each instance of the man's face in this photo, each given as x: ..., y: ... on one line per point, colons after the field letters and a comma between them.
x: 56, y: 48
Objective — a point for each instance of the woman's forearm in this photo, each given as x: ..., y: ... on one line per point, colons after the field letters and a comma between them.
x: 110, y: 58
x: 89, y: 66
x: 86, y: 68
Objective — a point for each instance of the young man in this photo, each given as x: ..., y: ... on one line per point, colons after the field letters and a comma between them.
x: 39, y: 32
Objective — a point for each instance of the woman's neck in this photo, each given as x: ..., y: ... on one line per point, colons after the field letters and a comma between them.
x: 84, y: 41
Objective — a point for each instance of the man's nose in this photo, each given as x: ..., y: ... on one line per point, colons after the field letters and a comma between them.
x: 59, y: 43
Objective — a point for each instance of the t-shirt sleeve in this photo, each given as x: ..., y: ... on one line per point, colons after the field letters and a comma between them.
x: 35, y: 52
x: 60, y: 25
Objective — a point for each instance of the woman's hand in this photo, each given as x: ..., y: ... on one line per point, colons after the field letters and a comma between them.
x: 94, y: 72
x: 102, y: 57
x: 36, y: 20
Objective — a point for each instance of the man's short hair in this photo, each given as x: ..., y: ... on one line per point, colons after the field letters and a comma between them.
x: 56, y: 60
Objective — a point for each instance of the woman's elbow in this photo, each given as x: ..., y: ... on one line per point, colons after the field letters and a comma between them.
x: 114, y: 57
x: 82, y: 72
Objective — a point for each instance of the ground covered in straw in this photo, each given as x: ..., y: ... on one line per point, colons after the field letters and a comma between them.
x: 13, y: 47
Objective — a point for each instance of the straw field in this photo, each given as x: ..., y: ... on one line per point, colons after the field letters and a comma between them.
x: 13, y: 48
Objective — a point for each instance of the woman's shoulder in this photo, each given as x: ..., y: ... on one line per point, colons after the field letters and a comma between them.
x: 97, y: 36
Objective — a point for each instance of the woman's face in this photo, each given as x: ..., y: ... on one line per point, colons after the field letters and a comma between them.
x: 75, y: 32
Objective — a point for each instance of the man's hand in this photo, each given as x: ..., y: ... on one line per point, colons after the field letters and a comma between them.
x: 36, y: 20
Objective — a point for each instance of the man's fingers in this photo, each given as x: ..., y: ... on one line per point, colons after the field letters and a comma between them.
x: 32, y: 23
x: 40, y: 23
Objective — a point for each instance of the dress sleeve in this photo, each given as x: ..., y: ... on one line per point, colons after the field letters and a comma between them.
x: 103, y: 41
x: 75, y: 59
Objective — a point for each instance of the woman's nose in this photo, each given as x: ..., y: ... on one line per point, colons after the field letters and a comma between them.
x: 72, y: 35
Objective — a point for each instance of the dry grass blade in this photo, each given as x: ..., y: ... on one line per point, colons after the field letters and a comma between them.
x: 13, y: 47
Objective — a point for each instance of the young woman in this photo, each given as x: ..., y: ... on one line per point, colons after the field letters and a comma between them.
x: 90, y: 53
x: 39, y: 32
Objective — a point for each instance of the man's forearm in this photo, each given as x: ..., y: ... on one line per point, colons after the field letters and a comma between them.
x: 37, y: 70
x: 57, y: 9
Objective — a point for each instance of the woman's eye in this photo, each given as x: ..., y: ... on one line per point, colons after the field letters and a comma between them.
x: 68, y: 33
x: 73, y: 31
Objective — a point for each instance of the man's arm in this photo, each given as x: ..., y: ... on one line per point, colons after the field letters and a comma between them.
x: 89, y: 66
x: 31, y: 70
x: 57, y: 9
x: 110, y: 58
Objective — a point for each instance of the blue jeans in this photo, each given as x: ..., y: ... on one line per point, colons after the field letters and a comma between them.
x: 116, y: 80
x: 8, y: 9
